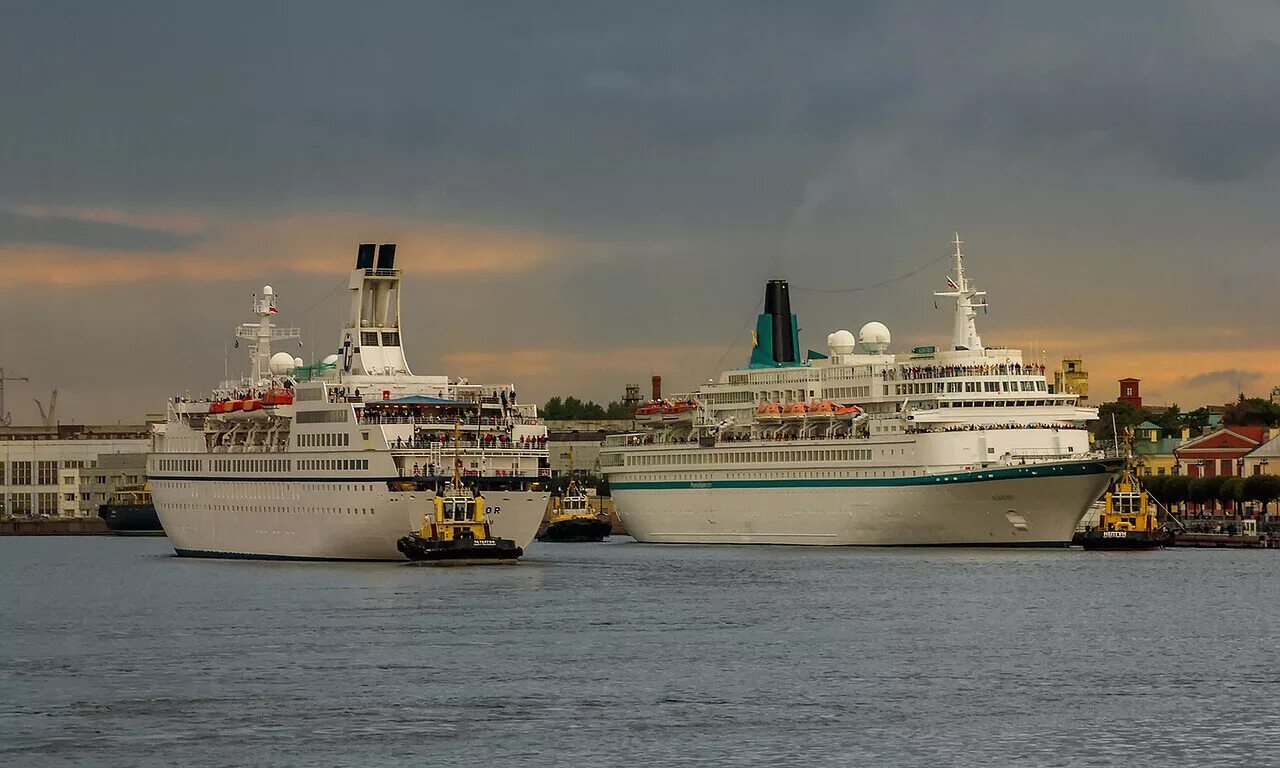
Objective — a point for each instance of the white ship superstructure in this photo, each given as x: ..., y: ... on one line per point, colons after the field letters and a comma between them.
x: 340, y: 459
x: 858, y: 446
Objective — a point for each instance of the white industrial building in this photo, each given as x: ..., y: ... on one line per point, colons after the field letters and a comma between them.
x: 68, y: 470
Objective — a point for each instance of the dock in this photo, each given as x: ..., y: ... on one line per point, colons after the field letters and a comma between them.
x: 66, y: 526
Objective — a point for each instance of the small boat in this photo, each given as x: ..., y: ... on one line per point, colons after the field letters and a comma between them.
x: 572, y: 519
x: 131, y: 513
x: 795, y: 411
x: 769, y: 411
x: 1128, y: 519
x: 456, y: 531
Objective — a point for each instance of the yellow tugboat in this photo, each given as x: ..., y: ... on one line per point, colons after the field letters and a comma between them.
x: 1128, y: 520
x: 572, y: 519
x: 456, y: 531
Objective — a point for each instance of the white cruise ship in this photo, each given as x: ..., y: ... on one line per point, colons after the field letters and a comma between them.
x: 964, y: 445
x: 340, y: 459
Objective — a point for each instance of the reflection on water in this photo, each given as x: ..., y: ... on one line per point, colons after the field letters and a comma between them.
x: 117, y: 654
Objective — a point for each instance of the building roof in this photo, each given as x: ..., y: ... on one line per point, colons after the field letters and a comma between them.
x: 78, y: 432
x: 1146, y: 425
x: 1227, y: 439
x: 1268, y: 450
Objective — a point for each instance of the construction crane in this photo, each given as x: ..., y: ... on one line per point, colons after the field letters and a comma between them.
x: 5, y: 419
x: 47, y: 418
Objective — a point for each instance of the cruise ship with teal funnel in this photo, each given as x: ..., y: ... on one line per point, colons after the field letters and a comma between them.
x: 959, y: 445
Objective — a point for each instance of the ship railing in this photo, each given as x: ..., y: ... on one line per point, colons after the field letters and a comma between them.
x: 371, y: 272
x: 369, y: 417
x: 529, y: 448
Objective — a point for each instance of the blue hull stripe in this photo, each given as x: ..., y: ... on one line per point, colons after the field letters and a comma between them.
x: 1070, y: 469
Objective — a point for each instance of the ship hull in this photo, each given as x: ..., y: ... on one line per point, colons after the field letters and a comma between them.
x: 131, y: 519
x: 1019, y: 506
x: 282, y: 520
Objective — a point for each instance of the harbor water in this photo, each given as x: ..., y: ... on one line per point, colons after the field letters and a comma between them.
x: 118, y: 654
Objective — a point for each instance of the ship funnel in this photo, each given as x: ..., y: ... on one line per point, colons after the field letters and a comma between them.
x: 387, y: 256
x: 777, y: 333
x: 364, y: 256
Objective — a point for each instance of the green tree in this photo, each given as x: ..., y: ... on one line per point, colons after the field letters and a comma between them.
x: 1170, y: 421
x: 1197, y: 419
x: 1231, y: 493
x: 1205, y: 490
x: 1251, y: 411
x: 1263, y: 489
x: 1125, y: 416
x: 1157, y: 486
x: 1177, y: 490
x: 553, y: 409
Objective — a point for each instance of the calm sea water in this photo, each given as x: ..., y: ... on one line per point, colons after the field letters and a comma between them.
x: 115, y: 653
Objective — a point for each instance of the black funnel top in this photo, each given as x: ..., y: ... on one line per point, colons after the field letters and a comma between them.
x: 364, y: 256
x: 387, y: 256
x: 777, y: 303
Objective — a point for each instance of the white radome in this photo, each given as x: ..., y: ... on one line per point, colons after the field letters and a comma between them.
x: 874, y: 338
x: 841, y: 342
x: 330, y: 360
x: 297, y: 362
x: 281, y: 364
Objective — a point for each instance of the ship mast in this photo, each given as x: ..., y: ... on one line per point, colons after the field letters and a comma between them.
x: 964, y: 335
x: 261, y: 334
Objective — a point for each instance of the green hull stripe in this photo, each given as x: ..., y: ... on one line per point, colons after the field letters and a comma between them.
x: 1096, y: 467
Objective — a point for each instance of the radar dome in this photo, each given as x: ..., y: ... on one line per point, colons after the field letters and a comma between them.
x: 841, y: 342
x: 281, y: 363
x: 297, y: 362
x: 874, y: 338
x: 330, y: 360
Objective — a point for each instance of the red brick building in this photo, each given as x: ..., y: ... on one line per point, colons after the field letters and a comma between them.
x: 1130, y: 392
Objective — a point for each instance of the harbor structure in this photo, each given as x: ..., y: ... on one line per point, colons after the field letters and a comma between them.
x: 1072, y: 379
x: 67, y: 470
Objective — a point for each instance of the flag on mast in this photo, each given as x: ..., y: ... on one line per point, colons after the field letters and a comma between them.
x: 952, y: 284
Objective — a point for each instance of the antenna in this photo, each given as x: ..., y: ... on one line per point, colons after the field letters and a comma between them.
x: 5, y: 418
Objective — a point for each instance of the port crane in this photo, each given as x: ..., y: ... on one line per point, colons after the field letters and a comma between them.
x: 47, y: 418
x: 5, y: 418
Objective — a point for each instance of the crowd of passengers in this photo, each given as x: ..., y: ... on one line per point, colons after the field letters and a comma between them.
x: 379, y: 417
x: 953, y: 371
x: 983, y: 427
x: 422, y: 438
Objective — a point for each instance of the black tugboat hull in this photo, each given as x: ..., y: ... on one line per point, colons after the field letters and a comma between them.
x: 577, y: 531
x: 1131, y: 541
x: 131, y: 519
x: 459, y: 551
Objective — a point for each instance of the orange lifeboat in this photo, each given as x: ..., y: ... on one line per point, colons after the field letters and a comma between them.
x: 651, y: 408
x: 252, y: 405
x: 769, y: 409
x: 278, y: 397
x: 217, y: 407
x: 682, y: 406
x: 233, y: 405
x: 848, y: 410
x: 795, y: 409
x: 822, y: 407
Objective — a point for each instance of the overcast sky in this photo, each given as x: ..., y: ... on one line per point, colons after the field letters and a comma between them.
x: 588, y: 193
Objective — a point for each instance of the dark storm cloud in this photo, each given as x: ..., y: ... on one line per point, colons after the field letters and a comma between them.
x: 1233, y: 377
x: 1088, y: 151
x: 87, y: 233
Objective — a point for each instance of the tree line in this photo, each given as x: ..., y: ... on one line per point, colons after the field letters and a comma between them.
x: 570, y: 407
x: 1245, y: 411
x: 1227, y: 491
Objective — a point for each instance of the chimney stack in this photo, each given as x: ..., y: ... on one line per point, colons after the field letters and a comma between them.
x: 387, y: 256
x: 657, y: 387
x: 364, y: 256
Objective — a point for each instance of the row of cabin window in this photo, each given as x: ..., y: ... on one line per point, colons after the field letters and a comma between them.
x: 178, y: 465
x: 325, y: 440
x: 338, y: 464
x: 941, y: 387
x: 250, y: 465
x: 998, y: 403
x: 741, y: 457
x: 282, y: 491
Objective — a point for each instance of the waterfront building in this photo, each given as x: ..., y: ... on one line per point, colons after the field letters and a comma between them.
x: 1265, y: 459
x: 1153, y: 452
x: 1221, y: 452
x: 69, y: 469
x: 1072, y: 379
x: 585, y: 437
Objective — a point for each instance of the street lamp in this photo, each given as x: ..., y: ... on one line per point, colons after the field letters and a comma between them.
x: 1239, y: 505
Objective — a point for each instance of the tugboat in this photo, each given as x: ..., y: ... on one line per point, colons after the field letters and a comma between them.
x: 130, y: 512
x: 457, y: 531
x: 572, y: 519
x: 1128, y: 519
